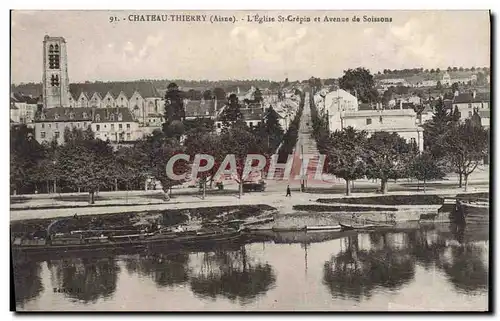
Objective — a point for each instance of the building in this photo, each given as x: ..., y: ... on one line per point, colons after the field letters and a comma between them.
x: 336, y: 102
x: 426, y: 114
x: 466, y: 103
x: 25, y: 109
x: 251, y: 116
x: 401, y: 121
x: 51, y: 123
x: 14, y: 113
x: 55, y: 79
x: 340, y: 100
x: 202, y: 108
x: 115, y: 125
x: 142, y: 100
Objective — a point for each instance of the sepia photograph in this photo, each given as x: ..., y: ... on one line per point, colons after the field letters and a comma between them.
x: 250, y: 160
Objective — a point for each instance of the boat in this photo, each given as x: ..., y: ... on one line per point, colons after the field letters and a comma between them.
x: 472, y: 212
x: 345, y: 227
x: 289, y: 229
x: 76, y: 243
x: 324, y: 228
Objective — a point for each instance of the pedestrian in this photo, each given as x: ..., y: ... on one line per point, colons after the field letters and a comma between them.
x: 288, y: 192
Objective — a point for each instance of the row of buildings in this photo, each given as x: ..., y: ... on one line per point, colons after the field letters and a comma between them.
x: 406, y: 118
x: 120, y: 111
x: 430, y: 80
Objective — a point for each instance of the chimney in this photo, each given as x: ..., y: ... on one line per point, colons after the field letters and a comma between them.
x: 400, y: 104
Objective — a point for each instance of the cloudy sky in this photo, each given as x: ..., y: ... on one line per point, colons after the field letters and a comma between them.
x: 100, y: 50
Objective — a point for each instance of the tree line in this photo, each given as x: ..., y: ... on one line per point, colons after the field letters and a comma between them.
x: 414, y: 71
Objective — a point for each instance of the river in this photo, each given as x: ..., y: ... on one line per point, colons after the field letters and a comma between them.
x: 431, y: 268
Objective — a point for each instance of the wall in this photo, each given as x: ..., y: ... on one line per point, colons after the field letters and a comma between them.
x: 112, y: 130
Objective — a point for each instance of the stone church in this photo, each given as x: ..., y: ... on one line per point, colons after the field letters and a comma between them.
x: 140, y: 102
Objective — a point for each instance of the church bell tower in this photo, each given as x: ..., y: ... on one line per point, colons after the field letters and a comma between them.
x: 55, y: 73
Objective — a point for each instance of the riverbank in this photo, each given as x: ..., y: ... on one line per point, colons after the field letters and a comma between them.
x: 299, y: 203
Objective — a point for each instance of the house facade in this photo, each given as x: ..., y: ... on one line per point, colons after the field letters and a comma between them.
x: 115, y: 125
x: 466, y: 103
x: 23, y: 109
x: 400, y: 121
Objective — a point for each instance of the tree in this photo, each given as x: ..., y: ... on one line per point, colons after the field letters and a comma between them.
x: 232, y: 112
x: 438, y: 70
x: 454, y: 87
x: 25, y: 153
x: 473, y: 69
x: 435, y: 129
x: 287, y: 83
x: 257, y: 96
x: 85, y: 162
x: 160, y: 149
x: 455, y: 69
x: 425, y: 168
x: 466, y: 145
x: 270, y: 130
x: 240, y: 142
x: 205, y: 143
x: 207, y: 95
x: 220, y: 94
x: 432, y: 71
x: 345, y: 155
x: 448, y: 69
x: 203, y: 125
x: 461, y: 69
x: 385, y: 157
x: 132, y: 166
x: 174, y: 111
x: 481, y: 79
x: 194, y: 94
x: 438, y: 85
x: 360, y: 82
x: 455, y: 117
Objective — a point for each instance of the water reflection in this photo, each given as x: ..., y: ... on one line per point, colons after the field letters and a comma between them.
x: 467, y: 270
x: 84, y: 279
x: 166, y: 270
x: 231, y: 275
x: 388, y: 263
x: 428, y: 247
x: 365, y: 265
x: 355, y: 272
x: 27, y: 282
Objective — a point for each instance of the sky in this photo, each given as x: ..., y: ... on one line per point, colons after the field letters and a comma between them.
x: 102, y: 50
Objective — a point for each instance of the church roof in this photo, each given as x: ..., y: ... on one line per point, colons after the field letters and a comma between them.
x: 106, y: 113
x: 63, y: 114
x: 145, y: 89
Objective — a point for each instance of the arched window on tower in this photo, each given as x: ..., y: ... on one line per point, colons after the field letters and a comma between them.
x: 54, y: 57
x: 54, y: 81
